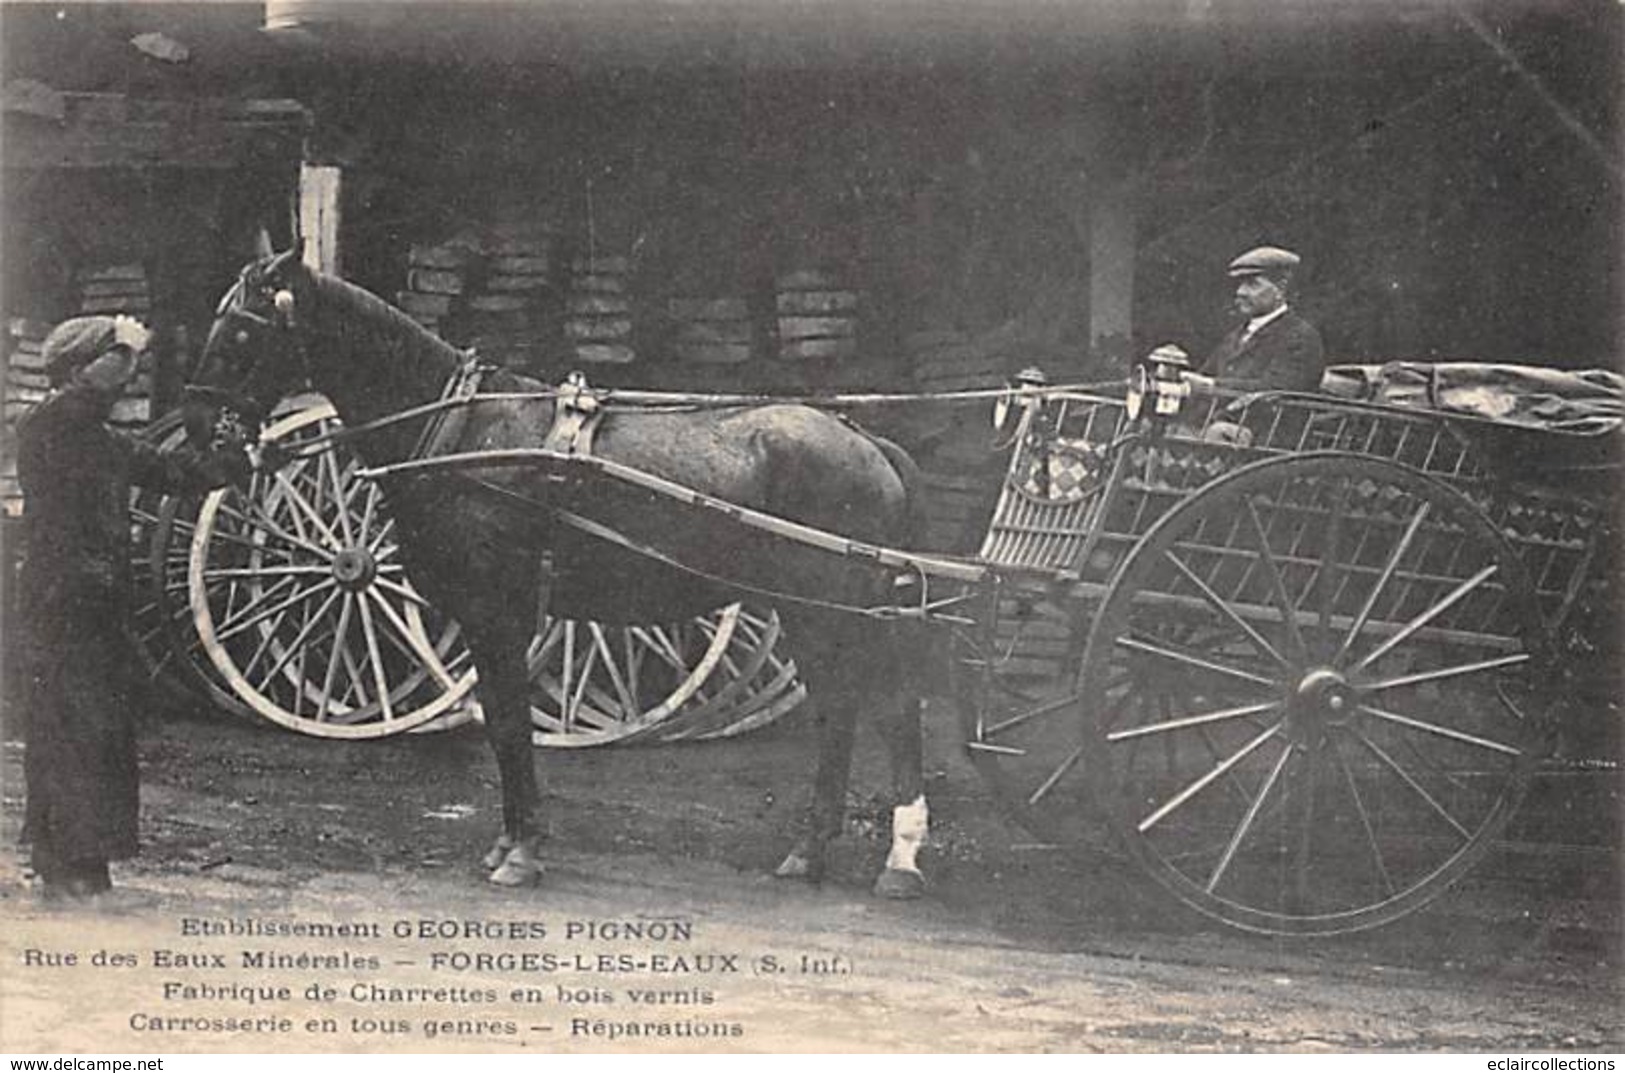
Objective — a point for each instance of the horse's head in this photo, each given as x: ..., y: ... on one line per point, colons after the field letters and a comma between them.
x: 255, y: 354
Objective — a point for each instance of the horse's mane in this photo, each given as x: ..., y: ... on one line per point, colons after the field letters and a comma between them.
x: 422, y: 352
x: 364, y: 311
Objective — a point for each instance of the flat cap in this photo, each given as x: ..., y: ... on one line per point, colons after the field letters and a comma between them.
x: 76, y: 343
x: 1264, y: 261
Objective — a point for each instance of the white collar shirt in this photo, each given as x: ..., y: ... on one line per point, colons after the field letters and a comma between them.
x: 1256, y: 324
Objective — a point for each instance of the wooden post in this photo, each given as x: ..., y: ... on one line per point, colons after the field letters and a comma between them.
x: 1111, y: 266
x: 319, y: 186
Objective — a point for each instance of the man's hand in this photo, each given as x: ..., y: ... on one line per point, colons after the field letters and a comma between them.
x: 127, y: 331
x: 270, y: 457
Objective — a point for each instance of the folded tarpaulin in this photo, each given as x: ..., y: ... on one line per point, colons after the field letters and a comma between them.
x: 1588, y: 402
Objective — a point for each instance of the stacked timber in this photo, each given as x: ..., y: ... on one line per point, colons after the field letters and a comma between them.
x: 946, y: 360
x: 512, y: 303
x: 710, y: 331
x: 123, y: 289
x: 115, y: 289
x: 957, y: 463
x: 435, y: 279
x: 1036, y: 641
x: 816, y: 318
x: 26, y: 386
x: 598, y: 310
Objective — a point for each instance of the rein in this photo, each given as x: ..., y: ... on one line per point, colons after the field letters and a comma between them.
x: 458, y: 394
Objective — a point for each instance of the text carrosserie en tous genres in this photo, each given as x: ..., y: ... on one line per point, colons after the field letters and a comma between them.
x: 627, y: 980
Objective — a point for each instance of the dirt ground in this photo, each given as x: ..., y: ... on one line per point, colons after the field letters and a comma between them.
x: 1013, y: 949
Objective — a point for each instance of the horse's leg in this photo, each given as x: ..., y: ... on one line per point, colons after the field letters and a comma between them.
x: 499, y: 645
x: 828, y: 687
x: 504, y: 689
x: 902, y: 652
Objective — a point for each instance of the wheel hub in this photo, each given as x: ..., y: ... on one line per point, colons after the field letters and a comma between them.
x: 354, y: 568
x: 1322, y: 699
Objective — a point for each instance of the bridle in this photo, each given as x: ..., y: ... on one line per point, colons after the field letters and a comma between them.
x: 233, y: 314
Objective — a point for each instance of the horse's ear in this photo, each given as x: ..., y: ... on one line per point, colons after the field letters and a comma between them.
x: 262, y: 245
x: 282, y: 260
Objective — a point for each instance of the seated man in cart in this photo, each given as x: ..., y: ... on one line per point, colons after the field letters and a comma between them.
x: 1274, y: 348
x: 81, y: 688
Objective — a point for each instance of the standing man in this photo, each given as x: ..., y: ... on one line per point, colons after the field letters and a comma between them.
x: 1273, y: 348
x: 81, y: 683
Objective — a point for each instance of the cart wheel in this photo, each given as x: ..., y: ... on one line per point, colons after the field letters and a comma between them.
x: 304, y: 610
x: 164, y: 632
x: 1023, y: 719
x: 752, y: 686
x: 595, y: 685
x: 1310, y: 694
x: 161, y: 624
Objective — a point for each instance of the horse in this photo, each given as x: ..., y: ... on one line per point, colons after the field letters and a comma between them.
x: 482, y: 546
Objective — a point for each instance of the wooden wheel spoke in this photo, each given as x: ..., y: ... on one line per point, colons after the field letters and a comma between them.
x: 1441, y: 731
x: 1328, y: 582
x: 328, y: 464
x: 376, y: 544
x: 1440, y: 674
x: 1383, y: 578
x: 355, y: 682
x: 403, y: 590
x: 267, y: 570
x: 1218, y: 603
x: 1450, y: 600
x: 297, y: 642
x: 1046, y: 708
x: 623, y: 692
x: 1190, y: 791
x: 1185, y: 722
x: 1404, y: 776
x: 411, y: 642
x: 584, y: 673
x: 368, y: 514
x: 1188, y: 660
x: 1055, y: 777
x: 1240, y: 834
x: 567, y: 670
x: 1306, y: 826
x: 1272, y: 573
x: 369, y: 629
x: 267, y: 637
x: 302, y: 505
x: 1365, y: 816
x: 257, y: 519
x: 1232, y: 780
x: 335, y: 657
x: 233, y: 626
x: 659, y: 642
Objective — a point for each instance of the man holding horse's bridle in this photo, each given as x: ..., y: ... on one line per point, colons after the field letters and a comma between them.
x: 81, y: 685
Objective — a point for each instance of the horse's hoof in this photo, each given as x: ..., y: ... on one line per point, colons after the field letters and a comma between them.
x: 796, y: 866
x: 497, y: 853
x: 900, y: 884
x: 519, y: 868
x: 511, y: 874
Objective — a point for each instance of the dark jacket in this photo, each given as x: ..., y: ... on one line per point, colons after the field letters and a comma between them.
x: 80, y: 759
x: 1285, y: 354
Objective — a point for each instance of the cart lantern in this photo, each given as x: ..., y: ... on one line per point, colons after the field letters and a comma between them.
x: 1165, y: 379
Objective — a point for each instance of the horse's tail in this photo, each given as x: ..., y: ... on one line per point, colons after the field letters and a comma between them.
x: 908, y: 471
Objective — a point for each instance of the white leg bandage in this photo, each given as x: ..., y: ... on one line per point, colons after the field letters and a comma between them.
x: 909, y: 824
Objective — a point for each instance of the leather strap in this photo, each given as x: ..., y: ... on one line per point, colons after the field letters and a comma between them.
x: 576, y: 413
